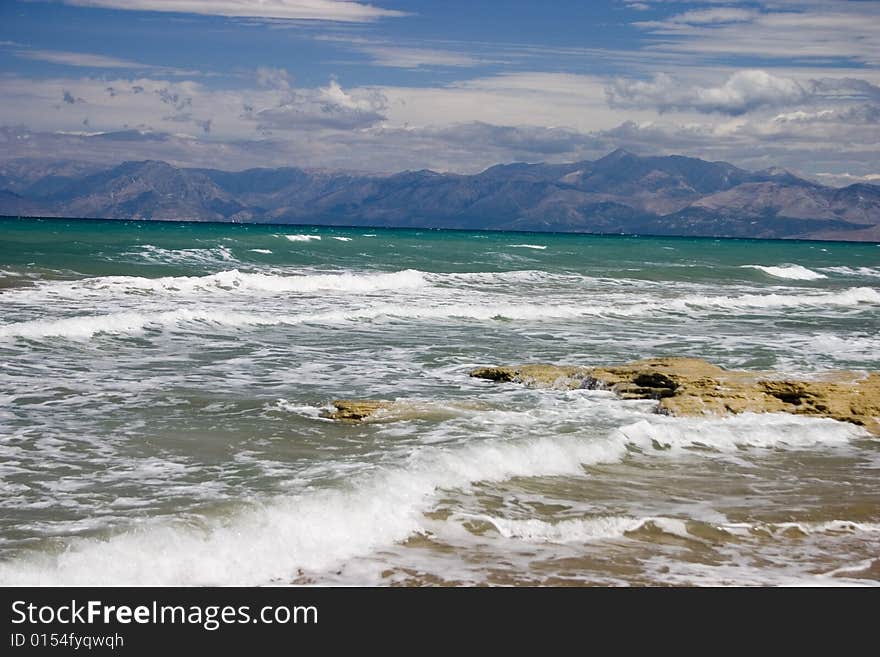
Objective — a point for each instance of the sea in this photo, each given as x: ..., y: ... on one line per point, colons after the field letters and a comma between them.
x: 163, y: 387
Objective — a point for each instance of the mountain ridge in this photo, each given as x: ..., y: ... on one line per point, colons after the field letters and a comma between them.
x: 618, y: 193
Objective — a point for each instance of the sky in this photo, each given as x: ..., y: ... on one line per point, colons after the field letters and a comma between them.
x: 449, y: 85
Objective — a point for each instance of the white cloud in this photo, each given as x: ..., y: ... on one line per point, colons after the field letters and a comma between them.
x: 327, y: 107
x: 846, y: 178
x: 527, y: 142
x: 741, y: 92
x: 187, y: 106
x: 524, y: 99
x: 78, y: 59
x: 801, y: 30
x: 852, y: 115
x: 274, y: 78
x: 411, y: 58
x: 328, y: 10
x: 853, y: 127
x: 759, y: 143
x: 403, y: 55
x: 713, y: 16
x: 89, y: 60
x: 464, y: 126
x: 110, y: 104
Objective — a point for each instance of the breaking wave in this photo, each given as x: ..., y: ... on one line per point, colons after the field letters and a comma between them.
x: 793, y: 272
x: 318, y: 529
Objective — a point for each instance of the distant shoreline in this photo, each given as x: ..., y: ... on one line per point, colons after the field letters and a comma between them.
x: 438, y: 229
x: 619, y: 194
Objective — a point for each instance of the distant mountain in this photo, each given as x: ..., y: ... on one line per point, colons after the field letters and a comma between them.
x: 619, y: 193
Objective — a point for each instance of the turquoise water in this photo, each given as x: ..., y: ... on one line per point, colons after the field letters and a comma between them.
x: 162, y: 385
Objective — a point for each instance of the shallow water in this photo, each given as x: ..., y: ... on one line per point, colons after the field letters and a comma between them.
x: 161, y: 388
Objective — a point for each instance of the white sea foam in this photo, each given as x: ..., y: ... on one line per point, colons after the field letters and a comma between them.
x: 805, y: 528
x: 318, y: 529
x: 565, y: 531
x: 852, y: 569
x: 74, y: 327
x: 537, y: 247
x: 794, y: 272
x: 128, y: 322
x: 231, y: 280
x: 579, y: 530
x: 313, y: 530
x: 729, y: 434
x: 853, y: 347
x: 84, y: 327
x: 257, y: 282
x: 261, y: 250
x: 524, y: 277
x: 157, y: 254
x: 871, y: 272
x: 853, y: 296
x: 610, y: 306
x: 302, y: 238
x: 342, y: 239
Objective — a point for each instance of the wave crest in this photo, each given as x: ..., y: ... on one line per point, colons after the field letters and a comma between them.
x: 793, y: 272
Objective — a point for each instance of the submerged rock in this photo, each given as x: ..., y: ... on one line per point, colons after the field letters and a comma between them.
x: 691, y: 386
x: 380, y: 410
x: 355, y: 410
x: 544, y: 376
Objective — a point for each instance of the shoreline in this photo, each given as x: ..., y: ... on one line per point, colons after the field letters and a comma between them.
x: 788, y: 240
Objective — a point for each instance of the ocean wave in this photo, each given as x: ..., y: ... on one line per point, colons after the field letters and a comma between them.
x: 158, y: 255
x: 313, y: 531
x: 564, y: 531
x: 87, y: 326
x: 318, y: 529
x: 231, y: 280
x: 871, y: 272
x: 853, y: 296
x: 266, y: 251
x: 793, y: 272
x: 126, y: 322
x: 580, y: 530
x: 854, y: 347
x: 342, y: 239
x: 537, y: 247
x: 729, y: 434
x: 803, y: 528
x: 303, y: 238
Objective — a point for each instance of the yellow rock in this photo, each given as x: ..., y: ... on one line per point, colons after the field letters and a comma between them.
x: 691, y: 386
x: 542, y: 376
x: 380, y: 410
x: 355, y: 410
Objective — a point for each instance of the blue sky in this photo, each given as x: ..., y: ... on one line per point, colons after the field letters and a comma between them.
x: 449, y: 85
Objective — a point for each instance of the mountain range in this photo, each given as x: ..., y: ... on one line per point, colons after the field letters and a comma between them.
x: 619, y: 193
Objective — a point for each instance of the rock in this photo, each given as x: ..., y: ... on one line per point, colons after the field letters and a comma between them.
x: 544, y: 376
x: 691, y: 386
x: 355, y: 410
x: 380, y: 410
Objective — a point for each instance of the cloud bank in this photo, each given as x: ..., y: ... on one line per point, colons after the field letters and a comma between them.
x: 325, y: 10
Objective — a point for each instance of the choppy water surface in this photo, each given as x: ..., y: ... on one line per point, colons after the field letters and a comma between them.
x: 161, y: 388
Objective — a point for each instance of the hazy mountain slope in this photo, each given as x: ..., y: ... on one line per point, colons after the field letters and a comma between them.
x: 619, y: 193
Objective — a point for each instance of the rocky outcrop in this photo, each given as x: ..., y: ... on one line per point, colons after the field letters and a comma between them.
x: 381, y: 410
x: 690, y: 386
x: 355, y: 410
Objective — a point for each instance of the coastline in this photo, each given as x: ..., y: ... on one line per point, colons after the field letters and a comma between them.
x: 368, y: 226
